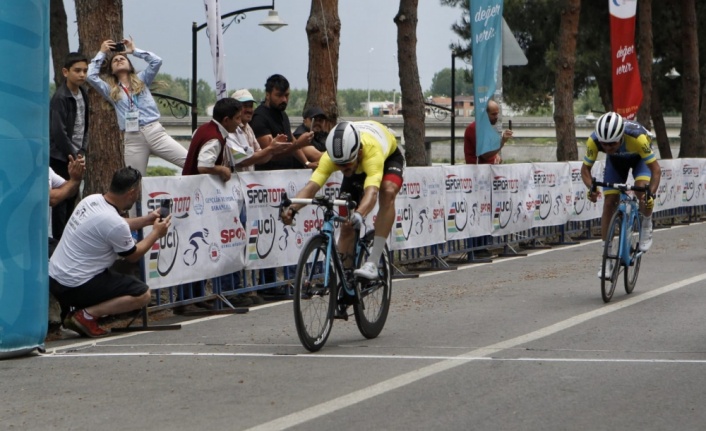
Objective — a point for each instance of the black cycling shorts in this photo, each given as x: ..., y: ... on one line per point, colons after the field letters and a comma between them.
x: 103, y: 287
x: 392, y: 171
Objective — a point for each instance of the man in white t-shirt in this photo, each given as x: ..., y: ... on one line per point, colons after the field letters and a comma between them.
x: 94, y: 237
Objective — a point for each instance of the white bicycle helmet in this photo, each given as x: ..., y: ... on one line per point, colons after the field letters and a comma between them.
x: 610, y: 127
x: 343, y: 143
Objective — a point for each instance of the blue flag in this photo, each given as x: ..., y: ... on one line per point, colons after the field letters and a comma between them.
x: 486, y: 41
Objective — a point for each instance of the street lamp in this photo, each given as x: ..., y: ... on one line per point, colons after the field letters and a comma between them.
x: 273, y: 22
x: 368, y: 107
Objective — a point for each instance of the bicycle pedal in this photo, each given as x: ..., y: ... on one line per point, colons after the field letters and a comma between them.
x: 341, y: 314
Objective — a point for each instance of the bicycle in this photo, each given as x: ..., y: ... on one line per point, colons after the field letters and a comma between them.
x: 621, y: 252
x: 324, y: 288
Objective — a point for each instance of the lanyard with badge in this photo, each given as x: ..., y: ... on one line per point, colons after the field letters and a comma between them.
x: 132, y: 116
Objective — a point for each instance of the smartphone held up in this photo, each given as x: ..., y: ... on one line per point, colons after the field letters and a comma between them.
x: 164, y: 208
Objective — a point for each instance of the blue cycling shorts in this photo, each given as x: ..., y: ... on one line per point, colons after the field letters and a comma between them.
x: 618, y: 168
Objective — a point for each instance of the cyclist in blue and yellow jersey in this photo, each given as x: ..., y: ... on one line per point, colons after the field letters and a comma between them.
x: 627, y: 146
x: 366, y: 153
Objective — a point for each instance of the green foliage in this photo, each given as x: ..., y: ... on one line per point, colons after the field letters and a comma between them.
x: 160, y: 171
x: 181, y: 88
x: 441, y: 82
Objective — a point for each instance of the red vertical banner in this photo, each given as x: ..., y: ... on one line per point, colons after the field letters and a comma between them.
x: 627, y: 88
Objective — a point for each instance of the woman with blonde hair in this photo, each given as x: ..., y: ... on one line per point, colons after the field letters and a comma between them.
x: 137, y: 112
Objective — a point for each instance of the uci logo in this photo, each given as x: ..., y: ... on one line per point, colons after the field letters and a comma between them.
x: 266, y: 232
x: 168, y: 249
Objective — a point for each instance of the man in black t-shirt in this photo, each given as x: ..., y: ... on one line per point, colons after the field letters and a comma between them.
x: 270, y: 121
x: 313, y: 120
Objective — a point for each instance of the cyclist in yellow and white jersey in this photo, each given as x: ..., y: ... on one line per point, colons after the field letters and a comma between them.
x: 366, y: 153
x: 627, y: 146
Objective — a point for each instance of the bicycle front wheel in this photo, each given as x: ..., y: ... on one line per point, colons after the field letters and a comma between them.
x: 633, y: 269
x: 374, y: 301
x: 611, y: 258
x: 314, y: 294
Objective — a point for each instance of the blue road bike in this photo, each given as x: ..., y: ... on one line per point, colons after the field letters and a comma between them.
x: 621, y: 253
x: 324, y: 288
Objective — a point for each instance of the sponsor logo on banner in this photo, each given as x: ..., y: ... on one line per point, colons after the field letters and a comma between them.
x: 423, y: 221
x: 689, y: 172
x: 198, y: 202
x: 262, y: 238
x: 457, y: 183
x: 221, y: 202
x: 197, y: 241
x: 505, y: 184
x: 504, y: 213
x: 412, y: 190
x: 458, y: 216
x: 299, y: 240
x: 163, y: 254
x: 403, y: 224
x: 233, y: 237
x: 180, y: 204
x: 332, y: 189
x: 260, y: 196
x: 214, y: 252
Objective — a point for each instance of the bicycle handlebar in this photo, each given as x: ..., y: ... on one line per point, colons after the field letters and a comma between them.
x: 622, y: 187
x: 323, y: 201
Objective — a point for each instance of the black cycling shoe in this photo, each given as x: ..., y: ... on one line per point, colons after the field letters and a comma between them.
x: 341, y: 312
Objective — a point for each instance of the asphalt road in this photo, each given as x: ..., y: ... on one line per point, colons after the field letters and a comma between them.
x: 523, y: 343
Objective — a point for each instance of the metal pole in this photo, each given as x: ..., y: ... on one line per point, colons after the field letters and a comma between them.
x: 453, y: 107
x: 194, y: 78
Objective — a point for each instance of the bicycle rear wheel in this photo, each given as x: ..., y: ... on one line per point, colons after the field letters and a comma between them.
x: 314, y: 298
x: 374, y: 302
x: 611, y: 260
x: 633, y: 269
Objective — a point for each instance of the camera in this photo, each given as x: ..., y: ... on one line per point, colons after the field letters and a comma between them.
x: 119, y: 47
x: 164, y: 208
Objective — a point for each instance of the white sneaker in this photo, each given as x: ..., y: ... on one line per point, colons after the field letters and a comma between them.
x: 608, y: 271
x: 369, y: 270
x: 646, y: 235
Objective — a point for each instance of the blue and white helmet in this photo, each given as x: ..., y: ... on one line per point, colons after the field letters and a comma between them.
x: 610, y: 127
x: 343, y: 143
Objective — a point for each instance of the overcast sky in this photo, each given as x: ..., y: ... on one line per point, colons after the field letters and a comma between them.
x: 254, y: 53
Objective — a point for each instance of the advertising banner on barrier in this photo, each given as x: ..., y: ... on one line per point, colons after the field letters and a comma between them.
x: 693, y: 182
x: 583, y: 209
x: 468, y: 201
x: 513, y: 202
x: 206, y: 238
x: 271, y: 244
x: 670, y: 185
x: 553, y: 198
x: 420, y: 217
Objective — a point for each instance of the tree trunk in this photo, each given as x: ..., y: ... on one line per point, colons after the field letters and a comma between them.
x: 323, y: 30
x: 690, y: 141
x: 99, y: 20
x: 665, y: 151
x: 564, y: 94
x: 412, y: 96
x: 644, y: 17
x: 58, y: 38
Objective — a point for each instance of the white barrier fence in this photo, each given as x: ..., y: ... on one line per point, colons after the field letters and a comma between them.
x: 219, y: 228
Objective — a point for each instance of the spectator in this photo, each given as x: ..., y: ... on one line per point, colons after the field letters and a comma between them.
x: 469, y: 140
x: 313, y: 119
x: 60, y: 190
x: 95, y: 236
x: 137, y: 112
x: 68, y: 132
x: 209, y: 153
x: 270, y: 121
x: 245, y: 137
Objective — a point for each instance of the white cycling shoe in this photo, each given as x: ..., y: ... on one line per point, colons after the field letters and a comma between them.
x: 369, y: 271
x: 608, y: 271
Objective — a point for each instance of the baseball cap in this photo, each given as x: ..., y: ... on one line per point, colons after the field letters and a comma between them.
x: 314, y: 111
x: 243, y: 95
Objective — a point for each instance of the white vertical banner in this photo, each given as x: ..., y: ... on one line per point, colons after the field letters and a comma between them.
x: 553, y: 198
x: 668, y: 193
x: 512, y: 199
x: 468, y: 204
x: 206, y: 238
x: 583, y: 209
x: 271, y: 244
x: 215, y: 37
x: 419, y: 206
